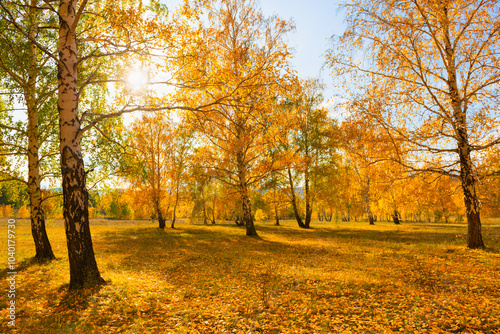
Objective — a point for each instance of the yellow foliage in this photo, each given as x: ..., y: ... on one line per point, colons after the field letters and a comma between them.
x: 260, y: 215
x: 23, y: 212
x: 7, y: 211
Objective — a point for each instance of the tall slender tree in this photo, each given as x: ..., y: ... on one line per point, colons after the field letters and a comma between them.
x: 314, y: 140
x: 433, y: 72
x: 151, y: 168
x: 183, y: 140
x: 31, y: 75
x: 242, y: 64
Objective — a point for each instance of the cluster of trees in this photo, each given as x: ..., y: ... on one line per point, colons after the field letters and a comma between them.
x: 224, y: 128
x: 208, y: 201
x: 59, y: 60
x: 428, y: 74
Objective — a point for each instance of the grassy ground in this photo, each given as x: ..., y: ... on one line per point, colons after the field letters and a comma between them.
x: 333, y: 278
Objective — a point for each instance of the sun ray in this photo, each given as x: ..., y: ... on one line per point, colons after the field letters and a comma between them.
x: 137, y: 80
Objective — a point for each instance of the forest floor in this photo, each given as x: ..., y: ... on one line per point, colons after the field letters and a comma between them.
x: 332, y: 278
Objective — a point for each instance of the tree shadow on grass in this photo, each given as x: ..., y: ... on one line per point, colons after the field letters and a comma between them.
x: 188, y: 248
x: 23, y: 265
x: 193, y: 241
x: 190, y: 253
x: 282, y: 239
x: 372, y: 235
x: 293, y: 232
x: 77, y: 299
x: 210, y: 264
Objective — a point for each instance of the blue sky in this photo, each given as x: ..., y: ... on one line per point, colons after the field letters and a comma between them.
x: 315, y: 21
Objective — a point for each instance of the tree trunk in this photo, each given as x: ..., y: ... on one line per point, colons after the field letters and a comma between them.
x: 370, y: 218
x: 471, y: 200
x: 161, y: 222
x: 245, y: 201
x: 161, y: 219
x: 276, y: 203
x: 173, y: 218
x: 276, y: 216
x: 247, y: 215
x: 294, y: 201
x: 213, y: 209
x: 205, y: 220
x: 467, y: 178
x: 237, y: 221
x: 82, y: 263
x: 307, y: 221
x: 469, y: 185
x: 42, y: 245
x: 175, y: 205
x: 159, y: 214
x: 395, y: 217
x: 328, y: 218
x: 367, y: 202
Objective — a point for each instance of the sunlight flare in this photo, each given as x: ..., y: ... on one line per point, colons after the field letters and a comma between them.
x: 137, y: 80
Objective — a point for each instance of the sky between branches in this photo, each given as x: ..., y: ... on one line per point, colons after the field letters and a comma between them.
x: 316, y: 21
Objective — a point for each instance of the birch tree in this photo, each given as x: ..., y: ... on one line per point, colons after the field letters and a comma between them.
x: 95, y: 36
x: 151, y: 168
x: 313, y: 135
x: 30, y: 78
x: 432, y: 68
x: 241, y: 63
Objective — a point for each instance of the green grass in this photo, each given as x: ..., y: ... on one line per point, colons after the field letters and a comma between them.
x: 333, y: 278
